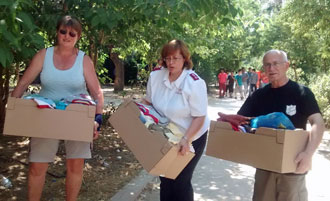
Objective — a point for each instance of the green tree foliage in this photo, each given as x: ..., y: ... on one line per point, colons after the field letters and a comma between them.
x: 143, y: 26
x: 19, y: 36
x: 301, y: 28
x: 310, y: 21
x: 117, y: 28
x: 19, y: 40
x: 320, y: 85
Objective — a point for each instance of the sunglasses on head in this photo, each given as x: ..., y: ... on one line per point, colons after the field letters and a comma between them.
x: 63, y: 32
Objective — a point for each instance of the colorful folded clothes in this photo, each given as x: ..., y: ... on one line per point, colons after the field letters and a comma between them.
x: 152, y: 115
x: 272, y: 120
x: 61, y: 105
x: 41, y: 101
x: 156, y: 122
x: 83, y: 99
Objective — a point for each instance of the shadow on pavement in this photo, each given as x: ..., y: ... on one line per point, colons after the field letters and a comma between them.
x: 216, y: 179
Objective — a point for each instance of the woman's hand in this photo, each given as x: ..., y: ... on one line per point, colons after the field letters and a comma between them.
x: 185, y: 142
x: 184, y: 146
x: 95, y: 133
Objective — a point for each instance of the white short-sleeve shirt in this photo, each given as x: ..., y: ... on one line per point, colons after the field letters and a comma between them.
x: 180, y: 100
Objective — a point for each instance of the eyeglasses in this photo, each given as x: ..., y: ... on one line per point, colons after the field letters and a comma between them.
x: 63, y: 32
x: 275, y: 64
x: 174, y: 59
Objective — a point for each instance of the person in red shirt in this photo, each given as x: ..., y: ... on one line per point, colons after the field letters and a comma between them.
x: 259, y: 78
x: 263, y: 79
x: 222, y: 78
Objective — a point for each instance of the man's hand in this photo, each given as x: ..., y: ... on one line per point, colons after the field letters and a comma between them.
x: 95, y: 132
x: 235, y: 119
x: 304, y: 163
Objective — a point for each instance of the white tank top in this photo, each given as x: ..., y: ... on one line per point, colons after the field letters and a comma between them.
x: 57, y: 84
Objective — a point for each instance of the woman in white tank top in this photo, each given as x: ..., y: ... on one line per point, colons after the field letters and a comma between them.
x: 64, y: 71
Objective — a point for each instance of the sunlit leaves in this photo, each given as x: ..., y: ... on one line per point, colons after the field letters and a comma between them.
x: 17, y: 31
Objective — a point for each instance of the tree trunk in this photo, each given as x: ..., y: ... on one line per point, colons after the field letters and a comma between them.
x: 150, y: 66
x: 91, y: 51
x: 4, y: 92
x: 17, y: 77
x: 295, y: 72
x: 95, y: 50
x: 119, y: 72
x: 65, y: 7
x: 95, y: 58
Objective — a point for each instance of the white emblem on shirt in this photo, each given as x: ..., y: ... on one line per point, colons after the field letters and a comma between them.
x: 290, y: 110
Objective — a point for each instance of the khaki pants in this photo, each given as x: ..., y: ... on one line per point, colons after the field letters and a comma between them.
x: 272, y: 186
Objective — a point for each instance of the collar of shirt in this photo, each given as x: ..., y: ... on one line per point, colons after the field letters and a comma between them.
x: 177, y: 82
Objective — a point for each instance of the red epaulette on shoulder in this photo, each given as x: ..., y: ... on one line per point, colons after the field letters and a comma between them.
x: 158, y: 68
x: 194, y: 76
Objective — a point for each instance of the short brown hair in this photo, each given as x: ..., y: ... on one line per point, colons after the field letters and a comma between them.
x: 173, y: 46
x: 69, y: 21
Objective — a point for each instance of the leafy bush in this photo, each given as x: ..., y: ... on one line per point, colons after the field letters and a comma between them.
x: 297, y: 75
x: 320, y: 86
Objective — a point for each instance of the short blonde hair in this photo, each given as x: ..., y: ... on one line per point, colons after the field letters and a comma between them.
x: 175, y: 45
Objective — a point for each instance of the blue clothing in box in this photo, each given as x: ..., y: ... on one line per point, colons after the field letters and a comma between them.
x: 272, y: 120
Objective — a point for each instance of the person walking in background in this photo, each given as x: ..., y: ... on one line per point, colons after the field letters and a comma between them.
x: 263, y: 79
x: 222, y: 78
x: 258, y: 83
x: 249, y: 79
x: 64, y: 71
x: 178, y: 93
x: 245, y: 81
x: 253, y: 81
x: 230, y: 84
x: 249, y: 73
x: 238, y: 85
x: 298, y: 103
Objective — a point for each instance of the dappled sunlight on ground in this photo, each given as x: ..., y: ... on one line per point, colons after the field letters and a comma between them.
x: 116, y: 98
x: 13, y: 165
x: 224, y: 105
x: 318, y: 179
x: 216, y: 179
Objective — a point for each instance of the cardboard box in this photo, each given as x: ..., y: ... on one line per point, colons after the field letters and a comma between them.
x: 269, y: 149
x: 23, y: 118
x: 157, y: 156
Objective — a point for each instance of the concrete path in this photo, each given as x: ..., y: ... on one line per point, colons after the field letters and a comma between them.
x: 219, y: 180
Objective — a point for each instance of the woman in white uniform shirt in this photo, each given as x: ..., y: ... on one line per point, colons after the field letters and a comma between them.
x: 180, y: 94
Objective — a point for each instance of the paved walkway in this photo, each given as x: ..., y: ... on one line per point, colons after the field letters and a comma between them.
x: 219, y: 180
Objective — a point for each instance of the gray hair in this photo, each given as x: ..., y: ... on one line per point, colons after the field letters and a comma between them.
x: 280, y: 52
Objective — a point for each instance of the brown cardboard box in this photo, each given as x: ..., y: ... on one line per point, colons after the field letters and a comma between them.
x: 23, y: 118
x: 268, y: 149
x: 152, y: 149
